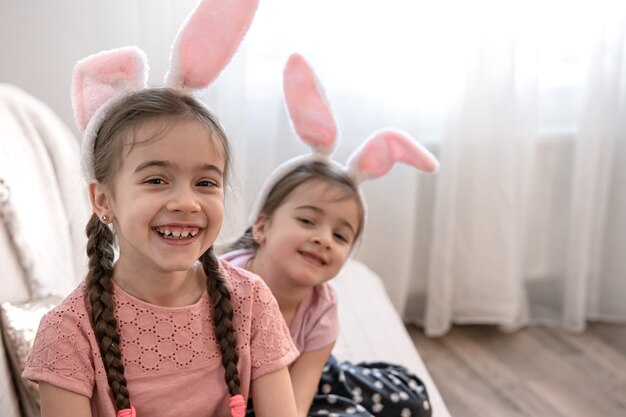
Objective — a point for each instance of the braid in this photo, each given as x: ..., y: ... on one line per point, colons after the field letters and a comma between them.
x: 222, y: 319
x: 100, y: 287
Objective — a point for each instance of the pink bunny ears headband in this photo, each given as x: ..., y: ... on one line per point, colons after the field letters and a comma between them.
x: 204, y: 45
x: 314, y: 123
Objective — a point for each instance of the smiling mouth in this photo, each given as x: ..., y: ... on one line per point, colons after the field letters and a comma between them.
x: 312, y: 258
x: 177, y: 233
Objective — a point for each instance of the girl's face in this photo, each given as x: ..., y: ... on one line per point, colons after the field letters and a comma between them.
x: 168, y: 201
x: 309, y: 237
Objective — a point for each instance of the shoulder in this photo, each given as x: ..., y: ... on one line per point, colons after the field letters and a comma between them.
x: 66, y: 328
x: 72, y: 309
x: 62, y: 352
x: 326, y: 291
x: 316, y: 323
x: 235, y: 273
x: 323, y: 295
x: 238, y: 257
x: 245, y: 284
x: 69, y: 320
x: 319, y: 306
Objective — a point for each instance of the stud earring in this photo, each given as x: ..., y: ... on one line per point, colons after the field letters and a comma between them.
x: 105, y: 218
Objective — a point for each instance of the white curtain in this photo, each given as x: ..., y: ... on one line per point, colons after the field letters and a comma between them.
x: 523, y: 102
x: 527, y: 225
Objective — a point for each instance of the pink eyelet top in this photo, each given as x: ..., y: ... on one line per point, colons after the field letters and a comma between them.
x: 171, y: 359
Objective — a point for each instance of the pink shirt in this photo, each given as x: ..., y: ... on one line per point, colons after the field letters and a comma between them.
x: 171, y: 359
x: 315, y: 323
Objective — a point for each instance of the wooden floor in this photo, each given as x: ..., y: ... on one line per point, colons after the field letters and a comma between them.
x: 538, y: 371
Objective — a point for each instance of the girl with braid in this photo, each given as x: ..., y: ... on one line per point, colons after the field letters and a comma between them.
x: 306, y: 222
x: 160, y: 327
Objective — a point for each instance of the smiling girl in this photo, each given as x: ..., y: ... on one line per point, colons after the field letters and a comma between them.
x: 305, y: 223
x: 164, y: 328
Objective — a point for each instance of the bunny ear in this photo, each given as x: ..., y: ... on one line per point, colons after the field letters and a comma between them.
x: 98, y: 78
x: 207, y: 41
x: 383, y: 149
x: 308, y: 109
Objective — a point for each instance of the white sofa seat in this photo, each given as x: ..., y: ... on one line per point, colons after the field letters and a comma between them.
x: 372, y: 330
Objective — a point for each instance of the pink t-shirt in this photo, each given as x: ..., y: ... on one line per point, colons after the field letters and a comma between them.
x: 171, y: 359
x: 315, y: 323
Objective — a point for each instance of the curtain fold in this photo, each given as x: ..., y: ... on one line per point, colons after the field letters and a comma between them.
x: 596, y: 271
x: 480, y: 216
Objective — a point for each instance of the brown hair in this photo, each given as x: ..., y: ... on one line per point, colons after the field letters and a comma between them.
x: 307, y: 171
x: 117, y: 130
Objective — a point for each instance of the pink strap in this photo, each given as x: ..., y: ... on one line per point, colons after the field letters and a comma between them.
x: 237, y: 406
x: 127, y: 412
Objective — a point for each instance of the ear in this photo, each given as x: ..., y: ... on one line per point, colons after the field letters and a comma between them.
x: 99, y: 77
x: 101, y: 201
x: 207, y: 41
x: 383, y: 149
x: 308, y: 108
x: 259, y: 229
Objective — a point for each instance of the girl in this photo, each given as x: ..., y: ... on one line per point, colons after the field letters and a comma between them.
x: 165, y: 329
x: 306, y: 222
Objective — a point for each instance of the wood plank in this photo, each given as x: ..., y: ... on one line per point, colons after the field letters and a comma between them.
x: 614, y: 336
x: 537, y: 371
x: 464, y: 390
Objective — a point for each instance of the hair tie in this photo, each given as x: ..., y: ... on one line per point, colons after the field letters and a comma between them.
x: 127, y: 412
x: 237, y: 406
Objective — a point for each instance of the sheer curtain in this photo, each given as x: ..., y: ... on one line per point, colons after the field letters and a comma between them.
x: 527, y: 225
x: 523, y: 102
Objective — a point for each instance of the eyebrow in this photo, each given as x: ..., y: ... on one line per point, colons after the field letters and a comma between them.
x: 319, y: 210
x: 167, y: 164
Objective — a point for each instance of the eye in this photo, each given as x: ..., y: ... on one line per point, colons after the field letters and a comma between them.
x: 155, y: 181
x: 305, y: 221
x: 342, y: 238
x: 207, y: 183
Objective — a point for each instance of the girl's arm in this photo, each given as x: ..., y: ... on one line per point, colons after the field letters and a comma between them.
x: 57, y: 402
x: 305, y: 376
x: 272, y: 395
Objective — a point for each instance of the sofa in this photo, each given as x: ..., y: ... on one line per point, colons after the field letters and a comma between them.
x: 43, y: 211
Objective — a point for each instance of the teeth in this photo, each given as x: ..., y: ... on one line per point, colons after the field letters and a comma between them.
x: 177, y: 234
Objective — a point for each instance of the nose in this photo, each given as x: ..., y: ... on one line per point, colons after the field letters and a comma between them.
x: 183, y: 199
x: 322, y: 238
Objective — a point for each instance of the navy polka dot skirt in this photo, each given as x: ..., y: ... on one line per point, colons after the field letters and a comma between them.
x: 367, y: 389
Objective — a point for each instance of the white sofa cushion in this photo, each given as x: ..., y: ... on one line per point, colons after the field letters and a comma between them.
x: 372, y: 330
